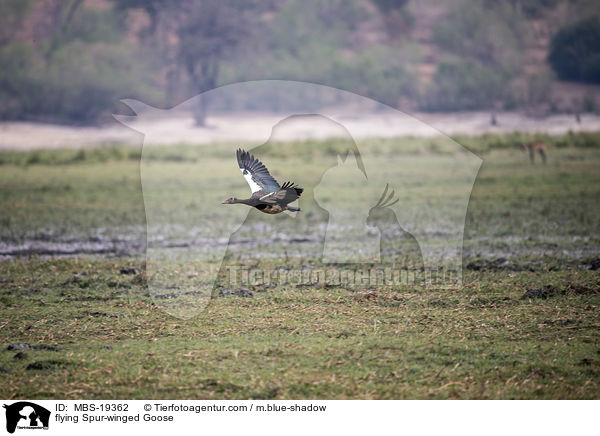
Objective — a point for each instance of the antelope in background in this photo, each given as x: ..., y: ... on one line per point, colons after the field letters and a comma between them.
x: 533, y: 147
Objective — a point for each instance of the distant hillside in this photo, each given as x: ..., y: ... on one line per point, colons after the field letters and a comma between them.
x: 72, y: 60
x: 534, y: 24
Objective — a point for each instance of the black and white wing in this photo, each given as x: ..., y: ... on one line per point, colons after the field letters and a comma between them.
x: 256, y: 174
x: 288, y: 193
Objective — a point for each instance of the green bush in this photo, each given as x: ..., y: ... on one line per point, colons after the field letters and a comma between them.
x: 487, y: 34
x: 483, y: 40
x: 590, y: 68
x: 13, y: 12
x: 308, y: 41
x: 536, y: 8
x: 387, y: 6
x: 376, y: 74
x: 464, y: 85
x: 78, y: 83
x: 575, y: 51
x: 76, y: 73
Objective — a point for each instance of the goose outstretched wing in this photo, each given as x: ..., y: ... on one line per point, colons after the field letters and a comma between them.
x: 256, y: 174
x: 286, y: 194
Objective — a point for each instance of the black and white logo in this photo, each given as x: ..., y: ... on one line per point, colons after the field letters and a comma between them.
x: 26, y: 415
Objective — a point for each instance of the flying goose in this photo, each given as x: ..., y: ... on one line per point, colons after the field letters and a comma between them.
x: 267, y: 196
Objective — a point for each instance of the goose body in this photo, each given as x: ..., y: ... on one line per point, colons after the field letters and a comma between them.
x: 267, y: 195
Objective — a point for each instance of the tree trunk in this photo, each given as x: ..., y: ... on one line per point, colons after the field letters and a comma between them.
x: 208, y: 78
x: 199, y: 110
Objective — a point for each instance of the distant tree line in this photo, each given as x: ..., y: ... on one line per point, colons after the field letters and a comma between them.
x: 62, y: 62
x: 72, y: 60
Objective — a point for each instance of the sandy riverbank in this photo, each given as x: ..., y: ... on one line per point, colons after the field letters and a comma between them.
x: 180, y: 128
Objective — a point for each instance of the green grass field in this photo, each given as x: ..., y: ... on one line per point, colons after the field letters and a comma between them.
x: 524, y: 324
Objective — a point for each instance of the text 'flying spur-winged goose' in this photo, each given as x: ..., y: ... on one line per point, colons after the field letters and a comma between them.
x: 267, y: 195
